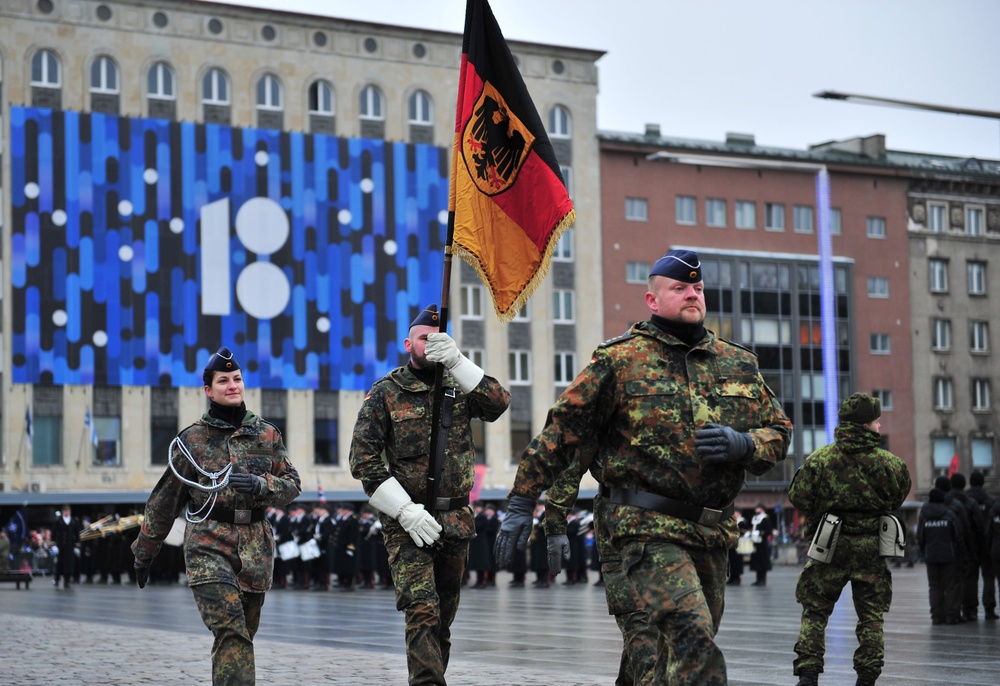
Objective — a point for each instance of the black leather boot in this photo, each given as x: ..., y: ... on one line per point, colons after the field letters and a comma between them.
x: 808, y: 679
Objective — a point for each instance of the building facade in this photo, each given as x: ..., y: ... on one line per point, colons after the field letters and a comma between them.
x: 142, y: 138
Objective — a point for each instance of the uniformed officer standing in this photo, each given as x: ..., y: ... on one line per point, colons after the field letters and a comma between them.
x: 223, y: 471
x: 395, y: 419
x: 859, y: 481
x: 677, y: 415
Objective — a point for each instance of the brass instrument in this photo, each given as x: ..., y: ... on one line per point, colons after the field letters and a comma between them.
x: 109, y: 525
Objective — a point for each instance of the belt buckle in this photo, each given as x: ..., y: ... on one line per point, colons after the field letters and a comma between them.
x: 442, y: 503
x: 710, y: 517
x: 241, y: 516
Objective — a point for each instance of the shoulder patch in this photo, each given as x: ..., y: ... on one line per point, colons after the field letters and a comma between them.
x: 270, y: 424
x: 617, y: 339
x: 736, y: 345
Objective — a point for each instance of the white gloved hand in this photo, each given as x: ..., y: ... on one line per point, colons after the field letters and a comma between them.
x: 441, y: 347
x: 392, y: 499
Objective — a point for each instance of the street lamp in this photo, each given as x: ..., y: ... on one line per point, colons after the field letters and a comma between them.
x: 831, y: 399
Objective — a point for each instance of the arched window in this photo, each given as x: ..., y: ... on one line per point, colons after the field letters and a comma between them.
x: 160, y: 82
x: 559, y: 122
x: 104, y: 75
x: 421, y: 108
x: 321, y: 99
x: 215, y: 88
x: 370, y: 106
x: 45, y: 69
x: 269, y: 93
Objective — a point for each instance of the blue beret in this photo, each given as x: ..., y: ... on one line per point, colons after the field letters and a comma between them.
x: 428, y: 317
x: 222, y: 361
x: 679, y: 265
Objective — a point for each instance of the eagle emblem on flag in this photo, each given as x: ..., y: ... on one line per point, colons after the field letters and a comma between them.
x: 495, y: 143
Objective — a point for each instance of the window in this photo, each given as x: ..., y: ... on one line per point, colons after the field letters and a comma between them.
x: 522, y: 315
x: 160, y: 82
x: 45, y: 71
x: 564, y: 248
x: 939, y: 276
x: 567, y: 175
x: 982, y: 454
x: 876, y: 227
x: 977, y: 278
x: 944, y: 450
x: 109, y: 441
x: 478, y: 355
x: 802, y: 218
x: 878, y: 344
x: 268, y: 93
x: 325, y: 428
x: 937, y: 217
x: 943, y: 393
x: 687, y: 212
x: 974, y: 221
x: 636, y: 209
x: 884, y: 397
x: 519, y: 366
x: 562, y: 306
x: 162, y: 422
x: 215, y: 88
x: 559, y: 122
x: 940, y: 334
x: 421, y: 110
x: 878, y: 287
x: 636, y: 272
x: 472, y: 302
x: 979, y: 337
x: 520, y: 436
x: 103, y: 76
x: 321, y: 99
x: 746, y: 214
x: 835, y: 222
x: 774, y: 216
x: 715, y: 212
x: 980, y: 395
x: 565, y: 368
x: 46, y: 442
x: 371, y: 103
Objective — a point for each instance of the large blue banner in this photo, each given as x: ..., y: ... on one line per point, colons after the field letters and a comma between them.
x: 139, y: 246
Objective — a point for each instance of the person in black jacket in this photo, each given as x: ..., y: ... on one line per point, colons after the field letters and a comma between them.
x: 974, y: 541
x: 940, y: 538
x: 992, y: 541
x: 985, y: 501
x: 66, y: 535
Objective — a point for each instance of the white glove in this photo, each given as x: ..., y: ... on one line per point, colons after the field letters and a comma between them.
x: 392, y: 499
x: 442, y: 348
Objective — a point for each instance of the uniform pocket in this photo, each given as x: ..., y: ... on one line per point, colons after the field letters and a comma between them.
x: 654, y: 410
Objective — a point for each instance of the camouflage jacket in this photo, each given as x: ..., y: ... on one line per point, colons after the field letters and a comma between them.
x: 852, y: 477
x: 214, y: 552
x: 395, y: 420
x: 562, y: 495
x: 640, y: 401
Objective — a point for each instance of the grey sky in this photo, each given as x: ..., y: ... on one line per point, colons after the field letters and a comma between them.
x: 701, y: 68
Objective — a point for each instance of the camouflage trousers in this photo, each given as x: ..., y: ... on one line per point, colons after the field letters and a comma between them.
x: 818, y: 589
x: 233, y: 618
x: 681, y: 590
x: 428, y: 584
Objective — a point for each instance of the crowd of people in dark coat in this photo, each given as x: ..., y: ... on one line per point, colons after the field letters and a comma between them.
x: 958, y: 534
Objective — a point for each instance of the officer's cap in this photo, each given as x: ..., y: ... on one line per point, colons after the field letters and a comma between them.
x: 222, y: 361
x: 860, y: 408
x: 428, y: 317
x: 679, y: 265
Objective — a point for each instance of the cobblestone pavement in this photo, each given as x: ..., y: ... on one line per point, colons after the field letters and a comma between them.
x: 119, y: 635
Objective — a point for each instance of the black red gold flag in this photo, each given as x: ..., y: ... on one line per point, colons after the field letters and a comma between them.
x: 508, y: 199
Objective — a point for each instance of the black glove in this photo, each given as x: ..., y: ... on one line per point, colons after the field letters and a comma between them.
x: 719, y: 444
x: 246, y: 483
x: 557, y: 547
x: 514, y: 530
x: 141, y: 574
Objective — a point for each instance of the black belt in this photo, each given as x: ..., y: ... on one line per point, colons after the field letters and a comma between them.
x: 705, y: 516
x: 231, y: 516
x: 450, y: 503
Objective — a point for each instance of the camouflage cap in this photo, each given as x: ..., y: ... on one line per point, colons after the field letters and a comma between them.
x: 679, y: 265
x: 860, y: 408
x: 428, y: 317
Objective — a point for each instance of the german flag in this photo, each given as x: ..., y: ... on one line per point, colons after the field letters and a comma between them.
x: 508, y: 200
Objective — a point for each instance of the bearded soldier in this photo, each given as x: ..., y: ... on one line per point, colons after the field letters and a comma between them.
x: 855, y: 479
x: 222, y: 473
x: 395, y: 420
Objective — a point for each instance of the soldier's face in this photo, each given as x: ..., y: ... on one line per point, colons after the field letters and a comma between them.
x: 875, y: 425
x: 677, y: 301
x: 415, y: 344
x: 226, y: 389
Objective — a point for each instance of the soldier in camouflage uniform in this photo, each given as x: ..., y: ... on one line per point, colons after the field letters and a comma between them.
x: 676, y: 415
x: 223, y: 472
x: 855, y: 478
x: 428, y: 543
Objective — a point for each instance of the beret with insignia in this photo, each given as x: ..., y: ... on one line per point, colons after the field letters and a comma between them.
x: 428, y: 317
x: 222, y: 361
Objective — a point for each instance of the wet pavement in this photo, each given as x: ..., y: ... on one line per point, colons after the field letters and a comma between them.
x: 562, y: 635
